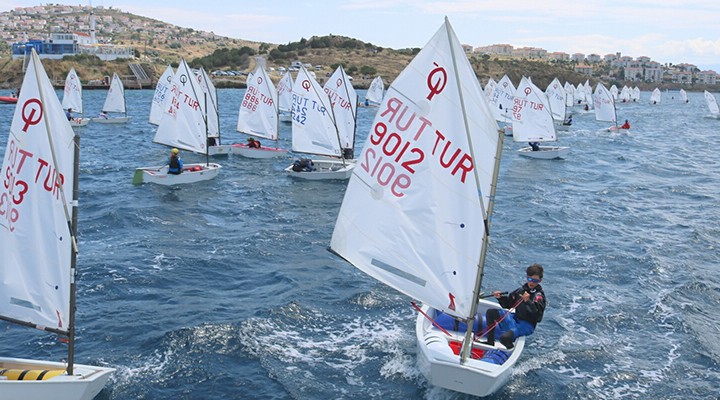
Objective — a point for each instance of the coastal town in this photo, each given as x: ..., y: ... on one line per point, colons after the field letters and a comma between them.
x: 108, y: 33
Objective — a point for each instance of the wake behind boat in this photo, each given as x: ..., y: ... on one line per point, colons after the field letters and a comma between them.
x: 418, y: 219
x: 38, y: 244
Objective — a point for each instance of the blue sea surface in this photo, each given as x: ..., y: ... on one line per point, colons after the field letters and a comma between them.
x: 225, y: 289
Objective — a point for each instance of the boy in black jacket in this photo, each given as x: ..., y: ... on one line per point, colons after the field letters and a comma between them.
x: 529, y: 303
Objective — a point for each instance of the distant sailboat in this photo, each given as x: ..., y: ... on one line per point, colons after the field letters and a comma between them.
x: 712, y: 105
x: 258, y: 116
x: 114, y: 103
x: 557, y: 101
x: 605, y: 107
x: 285, y: 99
x: 683, y: 96
x: 502, y: 102
x: 533, y: 122
x: 72, y: 98
x: 162, y: 93
x: 656, y: 96
x: 375, y: 92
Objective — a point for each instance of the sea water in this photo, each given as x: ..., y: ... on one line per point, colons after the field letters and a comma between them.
x: 225, y: 289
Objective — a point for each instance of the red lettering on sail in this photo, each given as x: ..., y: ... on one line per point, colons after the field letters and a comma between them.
x: 452, y: 302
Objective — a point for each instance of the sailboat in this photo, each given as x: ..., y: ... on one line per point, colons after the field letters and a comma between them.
x: 416, y: 212
x: 114, y: 103
x: 258, y: 116
x: 656, y: 96
x: 533, y: 122
x: 343, y: 99
x: 375, y: 92
x: 605, y: 107
x: 555, y: 93
x: 72, y: 98
x: 712, y: 105
x: 285, y: 99
x: 315, y: 132
x: 184, y: 125
x: 209, y: 106
x: 683, y: 96
x: 162, y: 92
x: 38, y: 243
x: 502, y: 101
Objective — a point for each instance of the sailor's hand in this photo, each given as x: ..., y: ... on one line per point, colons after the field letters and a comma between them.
x: 525, y: 296
x: 497, y: 294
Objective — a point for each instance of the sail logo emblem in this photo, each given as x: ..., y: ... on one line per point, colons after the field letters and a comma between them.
x: 183, y: 79
x: 436, y: 80
x: 29, y: 109
x: 306, y: 85
x: 527, y: 91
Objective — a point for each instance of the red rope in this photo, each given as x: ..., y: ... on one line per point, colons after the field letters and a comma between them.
x: 494, y: 324
x: 431, y: 320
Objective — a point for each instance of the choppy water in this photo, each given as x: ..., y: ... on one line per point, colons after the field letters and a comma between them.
x: 224, y: 289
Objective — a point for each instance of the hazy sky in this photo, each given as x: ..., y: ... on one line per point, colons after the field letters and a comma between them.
x: 668, y: 31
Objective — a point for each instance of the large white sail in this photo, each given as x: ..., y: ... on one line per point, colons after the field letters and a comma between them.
x: 624, y: 96
x: 635, y: 94
x: 183, y: 122
x: 72, y: 94
x: 210, y: 101
x: 556, y: 99
x: 115, y: 100
x: 35, y: 237
x: 604, y: 104
x: 344, y: 106
x: 284, y: 89
x: 258, y: 115
x: 683, y: 96
x: 376, y: 90
x: 162, y: 92
x: 532, y: 118
x: 413, y: 211
x: 502, y: 99
x: 569, y: 94
x: 712, y: 103
x: 313, y: 123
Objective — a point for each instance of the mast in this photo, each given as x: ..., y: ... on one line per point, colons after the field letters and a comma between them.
x: 467, y: 343
x: 73, y: 255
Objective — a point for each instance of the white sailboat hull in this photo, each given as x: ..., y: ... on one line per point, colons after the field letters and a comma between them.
x: 85, y: 384
x: 221, y: 150
x: 252, y: 152
x: 545, y: 152
x: 159, y: 175
x: 325, y: 170
x: 111, y: 120
x: 441, y: 367
x: 79, y: 122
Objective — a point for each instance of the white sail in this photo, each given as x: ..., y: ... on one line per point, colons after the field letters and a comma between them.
x: 210, y: 101
x: 183, y: 122
x: 284, y: 89
x: 412, y: 216
x: 588, y: 93
x: 72, y: 95
x: 656, y: 96
x: 556, y: 99
x: 115, y: 100
x: 604, y: 104
x: 711, y: 103
x: 375, y: 91
x: 313, y: 124
x: 162, y: 92
x: 625, y: 94
x: 35, y: 237
x: 569, y: 94
x: 532, y: 118
x: 683, y: 96
x: 490, y: 87
x: 635, y: 94
x: 502, y: 99
x: 344, y: 106
x: 614, y: 92
x: 258, y: 115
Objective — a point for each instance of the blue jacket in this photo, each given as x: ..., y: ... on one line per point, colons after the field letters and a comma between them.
x: 175, y: 165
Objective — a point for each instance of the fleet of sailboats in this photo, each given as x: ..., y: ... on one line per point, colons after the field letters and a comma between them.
x: 38, y: 243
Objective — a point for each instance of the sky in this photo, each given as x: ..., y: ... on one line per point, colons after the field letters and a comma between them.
x: 667, y: 31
